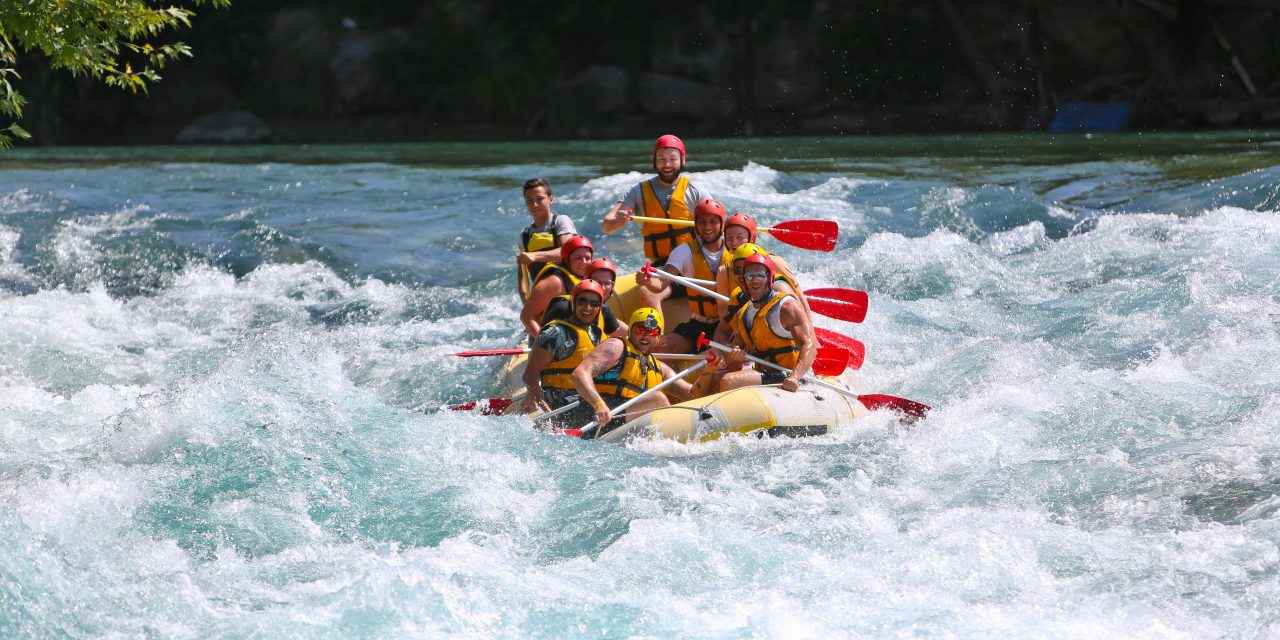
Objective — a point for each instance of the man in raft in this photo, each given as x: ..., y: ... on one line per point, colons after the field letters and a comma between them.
x: 730, y: 283
x: 604, y: 273
x: 540, y: 241
x: 668, y: 195
x: 772, y: 326
x: 555, y: 279
x: 621, y: 369
x: 560, y: 348
x: 701, y: 260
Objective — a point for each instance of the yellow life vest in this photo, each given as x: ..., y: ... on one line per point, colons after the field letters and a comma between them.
x: 565, y: 296
x: 530, y: 242
x: 701, y: 304
x: 739, y: 297
x: 633, y: 373
x: 760, y: 339
x: 660, y: 239
x: 559, y: 373
x: 554, y: 269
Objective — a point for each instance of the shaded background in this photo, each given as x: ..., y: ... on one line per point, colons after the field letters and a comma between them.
x: 322, y: 70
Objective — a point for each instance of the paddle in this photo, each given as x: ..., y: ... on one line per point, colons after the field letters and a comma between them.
x: 487, y: 407
x: 872, y: 402
x: 516, y: 352
x: 553, y: 413
x: 840, y: 308
x: 590, y: 427
x: 815, y: 235
x: 856, y: 350
x: 845, y: 304
x: 912, y: 408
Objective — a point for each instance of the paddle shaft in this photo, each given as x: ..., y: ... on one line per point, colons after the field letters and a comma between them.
x: 551, y: 414
x: 589, y: 428
x: 677, y: 222
x: 688, y: 283
x: 516, y: 352
x: 787, y: 371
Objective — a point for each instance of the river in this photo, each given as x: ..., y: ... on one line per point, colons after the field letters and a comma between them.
x: 224, y: 385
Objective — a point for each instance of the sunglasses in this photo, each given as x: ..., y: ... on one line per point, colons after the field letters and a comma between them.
x: 587, y: 302
x: 652, y: 333
x: 755, y: 275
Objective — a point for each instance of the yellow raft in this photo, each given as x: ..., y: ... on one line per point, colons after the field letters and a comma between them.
x: 763, y: 410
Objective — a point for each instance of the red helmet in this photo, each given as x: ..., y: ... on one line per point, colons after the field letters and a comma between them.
x: 745, y: 221
x: 602, y: 263
x: 572, y: 244
x: 671, y: 142
x: 709, y: 207
x: 587, y: 285
x: 762, y: 259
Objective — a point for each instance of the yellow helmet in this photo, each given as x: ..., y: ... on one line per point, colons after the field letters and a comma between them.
x: 649, y: 317
x: 747, y: 249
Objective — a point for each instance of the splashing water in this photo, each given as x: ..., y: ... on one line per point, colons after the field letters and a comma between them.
x: 222, y: 374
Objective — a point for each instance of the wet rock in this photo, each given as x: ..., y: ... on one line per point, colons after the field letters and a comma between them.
x: 225, y: 127
x: 355, y: 72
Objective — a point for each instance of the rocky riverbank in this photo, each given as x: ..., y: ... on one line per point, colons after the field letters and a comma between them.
x: 314, y: 72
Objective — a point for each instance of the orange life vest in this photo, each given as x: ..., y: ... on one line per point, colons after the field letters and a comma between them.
x: 660, y: 239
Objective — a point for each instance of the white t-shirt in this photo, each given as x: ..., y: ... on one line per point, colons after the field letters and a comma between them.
x: 681, y: 259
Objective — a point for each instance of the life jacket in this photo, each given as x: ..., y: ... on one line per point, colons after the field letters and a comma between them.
x: 701, y: 304
x: 540, y: 241
x: 568, y: 301
x: 554, y: 269
x: 559, y: 373
x: 632, y: 374
x: 739, y: 297
x: 760, y: 338
x: 660, y: 239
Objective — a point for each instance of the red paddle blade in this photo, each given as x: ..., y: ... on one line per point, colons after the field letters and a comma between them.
x: 486, y: 407
x: 838, y: 309
x: 815, y: 235
x: 830, y: 361
x: 911, y: 409
x: 857, y: 350
x: 489, y: 352
x: 851, y: 296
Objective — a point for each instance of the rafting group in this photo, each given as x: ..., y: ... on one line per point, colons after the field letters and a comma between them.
x: 733, y: 309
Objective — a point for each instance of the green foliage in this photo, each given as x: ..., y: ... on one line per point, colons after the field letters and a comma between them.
x: 110, y: 40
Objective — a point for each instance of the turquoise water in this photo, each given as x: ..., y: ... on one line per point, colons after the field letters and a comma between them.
x: 222, y: 374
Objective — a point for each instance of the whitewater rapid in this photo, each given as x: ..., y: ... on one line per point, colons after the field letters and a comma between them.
x: 224, y: 385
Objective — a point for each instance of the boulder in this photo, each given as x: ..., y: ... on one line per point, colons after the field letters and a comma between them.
x: 354, y: 70
x: 225, y: 127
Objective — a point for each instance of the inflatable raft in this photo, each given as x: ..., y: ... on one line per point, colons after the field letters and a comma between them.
x: 765, y: 411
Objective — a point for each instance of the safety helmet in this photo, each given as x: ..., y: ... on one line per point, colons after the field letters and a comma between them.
x: 669, y: 141
x: 648, y: 317
x: 748, y: 249
x: 587, y: 285
x: 602, y: 264
x: 709, y: 207
x: 573, y: 244
x: 761, y: 259
x: 745, y: 221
